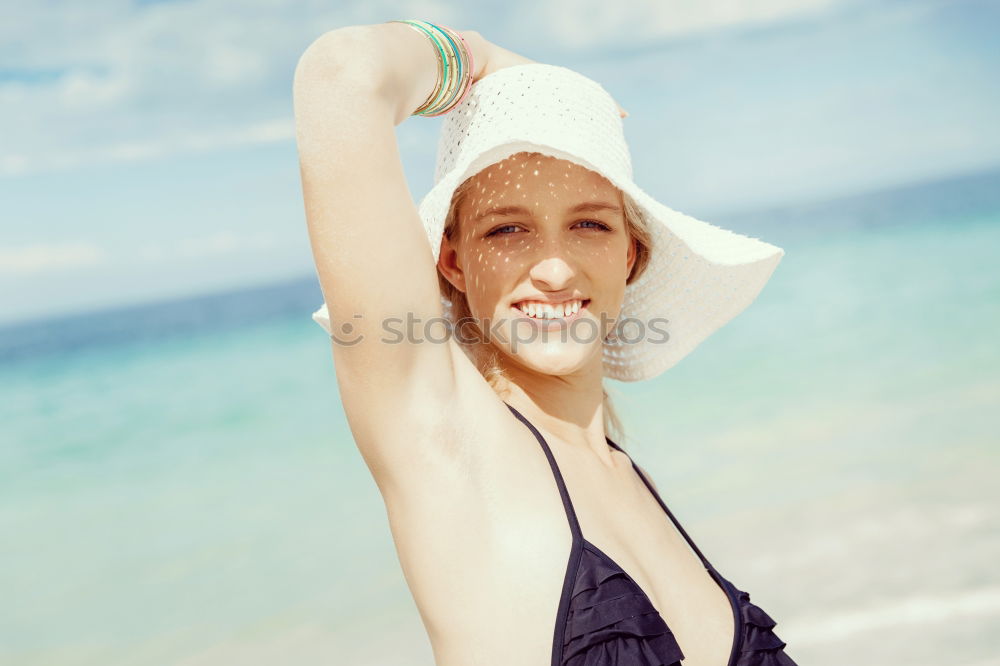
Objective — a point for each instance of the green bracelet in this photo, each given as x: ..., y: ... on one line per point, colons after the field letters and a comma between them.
x: 444, y: 84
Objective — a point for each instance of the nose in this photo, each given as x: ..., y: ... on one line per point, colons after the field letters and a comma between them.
x: 553, y: 273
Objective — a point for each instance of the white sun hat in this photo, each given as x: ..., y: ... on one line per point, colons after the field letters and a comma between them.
x: 699, y: 276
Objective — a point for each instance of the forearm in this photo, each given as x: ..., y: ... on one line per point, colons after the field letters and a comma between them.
x: 385, y: 63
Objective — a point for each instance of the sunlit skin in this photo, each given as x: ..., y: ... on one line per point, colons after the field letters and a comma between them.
x: 548, y: 252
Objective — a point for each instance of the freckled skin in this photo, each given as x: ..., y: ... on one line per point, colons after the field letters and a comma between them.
x: 545, y: 251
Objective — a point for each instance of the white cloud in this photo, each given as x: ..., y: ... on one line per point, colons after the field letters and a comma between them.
x: 113, y: 81
x: 119, y: 81
x: 224, y: 243
x: 129, y: 151
x: 48, y: 258
x: 44, y: 258
x: 582, y: 23
x: 214, y: 245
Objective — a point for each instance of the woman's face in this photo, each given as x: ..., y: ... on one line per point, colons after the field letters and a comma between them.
x: 542, y: 255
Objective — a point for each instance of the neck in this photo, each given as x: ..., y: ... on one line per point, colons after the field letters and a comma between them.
x: 569, y: 407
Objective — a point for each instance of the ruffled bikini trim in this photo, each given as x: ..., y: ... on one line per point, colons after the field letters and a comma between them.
x: 761, y: 646
x: 611, y: 621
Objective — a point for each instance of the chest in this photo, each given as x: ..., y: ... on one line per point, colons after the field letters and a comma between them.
x: 627, y: 533
x: 616, y: 555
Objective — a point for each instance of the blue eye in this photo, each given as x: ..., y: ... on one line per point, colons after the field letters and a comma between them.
x: 497, y: 230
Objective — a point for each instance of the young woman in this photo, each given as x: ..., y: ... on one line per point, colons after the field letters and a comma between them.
x: 471, y: 367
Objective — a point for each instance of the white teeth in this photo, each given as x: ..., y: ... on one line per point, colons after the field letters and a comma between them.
x: 549, y: 311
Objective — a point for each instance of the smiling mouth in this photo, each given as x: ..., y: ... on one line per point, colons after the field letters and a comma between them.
x: 565, y: 311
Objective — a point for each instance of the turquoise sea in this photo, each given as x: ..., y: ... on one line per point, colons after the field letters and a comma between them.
x: 178, y: 484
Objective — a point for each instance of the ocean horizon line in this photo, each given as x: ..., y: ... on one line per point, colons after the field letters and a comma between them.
x: 978, y: 190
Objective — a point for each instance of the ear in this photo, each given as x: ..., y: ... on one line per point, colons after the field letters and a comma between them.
x: 633, y: 253
x: 448, y: 264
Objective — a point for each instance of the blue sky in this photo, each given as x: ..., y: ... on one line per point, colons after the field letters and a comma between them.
x: 147, y: 148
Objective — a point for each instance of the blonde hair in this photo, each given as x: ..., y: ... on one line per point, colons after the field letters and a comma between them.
x: 485, y: 355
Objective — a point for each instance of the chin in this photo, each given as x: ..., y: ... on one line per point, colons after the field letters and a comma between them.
x: 554, y: 358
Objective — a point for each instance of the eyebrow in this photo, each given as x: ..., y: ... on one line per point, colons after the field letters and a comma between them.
x: 586, y: 207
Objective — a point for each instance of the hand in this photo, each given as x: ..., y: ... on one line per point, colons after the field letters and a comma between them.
x: 488, y: 58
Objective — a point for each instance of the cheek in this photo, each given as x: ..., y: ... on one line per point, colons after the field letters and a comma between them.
x: 610, y: 270
x: 613, y: 258
x: 486, y: 274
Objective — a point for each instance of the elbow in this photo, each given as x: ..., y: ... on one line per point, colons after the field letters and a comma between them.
x: 334, y: 55
x: 320, y: 61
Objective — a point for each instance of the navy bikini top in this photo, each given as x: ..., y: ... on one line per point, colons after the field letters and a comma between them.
x: 605, y: 619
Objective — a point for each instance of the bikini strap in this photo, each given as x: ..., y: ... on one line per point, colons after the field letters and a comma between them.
x: 574, y: 525
x: 704, y: 560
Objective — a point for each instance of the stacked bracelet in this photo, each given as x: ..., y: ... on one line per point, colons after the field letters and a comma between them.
x: 455, y: 68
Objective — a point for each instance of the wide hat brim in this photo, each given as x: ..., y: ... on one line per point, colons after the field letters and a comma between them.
x: 699, y: 276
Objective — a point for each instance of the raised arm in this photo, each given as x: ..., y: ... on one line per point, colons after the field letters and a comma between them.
x: 352, y: 87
